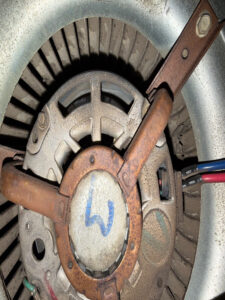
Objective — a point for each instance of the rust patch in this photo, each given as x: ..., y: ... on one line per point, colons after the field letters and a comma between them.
x: 188, y: 51
x: 33, y: 193
x: 145, y: 139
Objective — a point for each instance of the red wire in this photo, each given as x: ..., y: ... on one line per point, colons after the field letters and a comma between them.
x: 52, y: 294
x: 216, y: 177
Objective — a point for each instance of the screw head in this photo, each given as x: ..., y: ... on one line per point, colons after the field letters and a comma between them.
x: 92, y: 159
x: 70, y: 264
x: 203, y: 25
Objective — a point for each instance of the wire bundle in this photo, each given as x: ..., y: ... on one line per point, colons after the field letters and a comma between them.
x: 215, y: 173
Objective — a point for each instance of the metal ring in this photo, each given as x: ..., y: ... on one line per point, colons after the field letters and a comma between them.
x: 108, y: 160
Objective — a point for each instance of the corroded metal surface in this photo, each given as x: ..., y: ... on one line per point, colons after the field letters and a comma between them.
x: 145, y: 139
x: 98, y: 158
x: 194, y: 41
x: 109, y: 291
x: 33, y: 193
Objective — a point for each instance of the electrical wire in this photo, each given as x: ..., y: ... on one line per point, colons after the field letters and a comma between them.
x: 213, y: 178
x: 200, y: 177
x: 204, y: 178
x: 212, y: 166
x: 216, y: 165
x: 191, y: 181
x: 50, y: 289
x: 28, y: 285
x: 32, y: 289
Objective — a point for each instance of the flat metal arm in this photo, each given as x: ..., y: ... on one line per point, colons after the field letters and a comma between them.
x: 33, y: 193
x: 196, y: 38
x: 145, y: 139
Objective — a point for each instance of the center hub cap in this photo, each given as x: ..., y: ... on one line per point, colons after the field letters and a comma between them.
x: 98, y: 211
x: 97, y: 245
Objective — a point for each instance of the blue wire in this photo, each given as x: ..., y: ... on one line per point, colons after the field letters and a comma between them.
x: 212, y: 166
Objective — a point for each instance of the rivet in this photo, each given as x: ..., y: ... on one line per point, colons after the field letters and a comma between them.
x: 185, y: 53
x: 92, y: 159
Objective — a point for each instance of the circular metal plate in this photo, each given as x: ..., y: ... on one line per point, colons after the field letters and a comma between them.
x: 98, y: 221
x: 92, y: 159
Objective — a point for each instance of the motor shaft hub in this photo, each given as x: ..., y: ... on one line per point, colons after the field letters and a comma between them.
x: 106, y: 232
x: 98, y: 222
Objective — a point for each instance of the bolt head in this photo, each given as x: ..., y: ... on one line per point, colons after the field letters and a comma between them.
x: 203, y: 25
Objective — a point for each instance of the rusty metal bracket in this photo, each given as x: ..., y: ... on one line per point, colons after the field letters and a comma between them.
x: 196, y: 38
x: 28, y: 191
x: 33, y: 193
x: 145, y: 139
